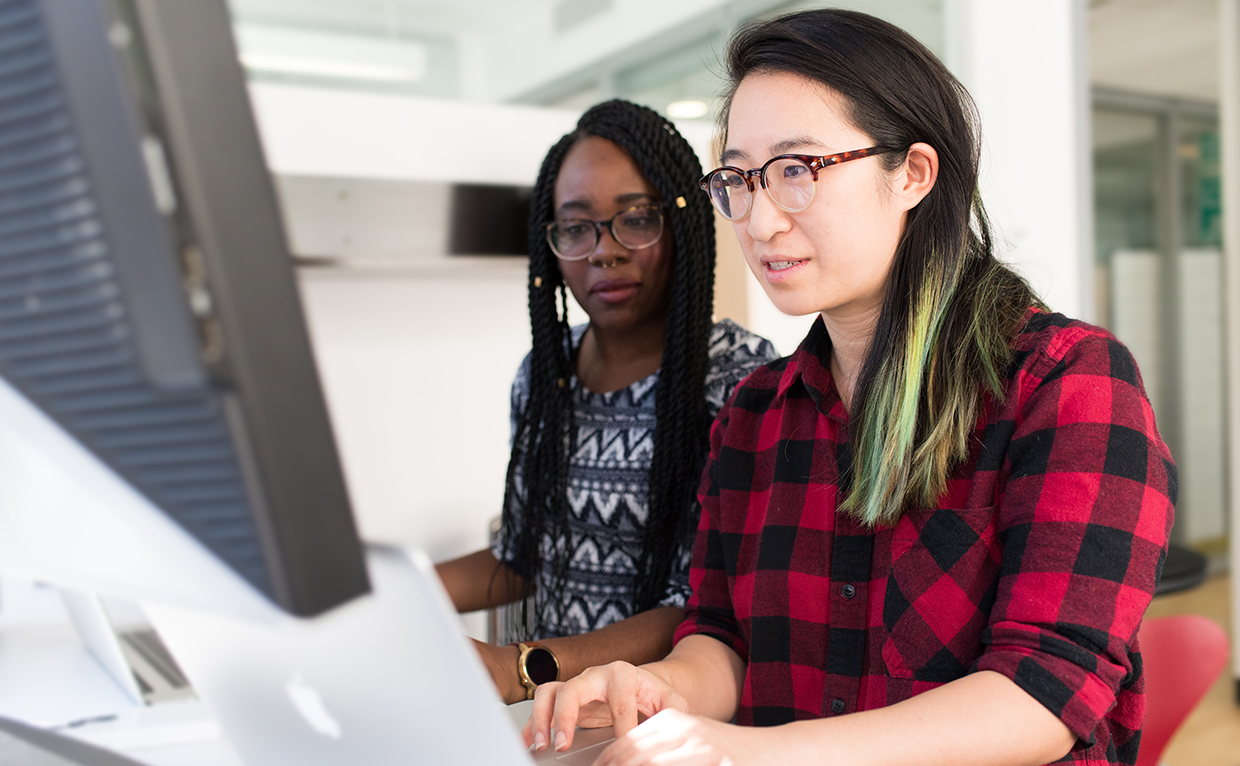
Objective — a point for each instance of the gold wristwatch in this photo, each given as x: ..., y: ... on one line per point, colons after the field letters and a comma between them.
x: 536, y: 665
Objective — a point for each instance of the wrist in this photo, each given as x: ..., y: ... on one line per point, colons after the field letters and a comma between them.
x: 661, y: 671
x: 502, y: 663
x: 536, y: 665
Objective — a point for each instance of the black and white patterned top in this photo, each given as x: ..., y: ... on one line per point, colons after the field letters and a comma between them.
x: 608, y: 478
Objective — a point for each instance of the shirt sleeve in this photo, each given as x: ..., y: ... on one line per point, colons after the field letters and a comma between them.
x: 709, y: 609
x: 503, y: 546
x: 1083, y: 523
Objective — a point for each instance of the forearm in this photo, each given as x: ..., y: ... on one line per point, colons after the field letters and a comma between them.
x: 617, y: 694
x: 479, y: 581
x: 707, y: 673
x: 983, y: 718
x: 642, y: 638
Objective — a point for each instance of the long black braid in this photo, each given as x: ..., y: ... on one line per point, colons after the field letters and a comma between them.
x: 546, y: 429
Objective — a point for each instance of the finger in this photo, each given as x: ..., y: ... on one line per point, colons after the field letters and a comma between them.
x: 622, y: 701
x: 666, y: 740
x: 643, y: 746
x: 593, y: 715
x: 672, y: 701
x: 567, y: 708
x: 537, y: 729
x: 594, y: 685
x: 623, y: 752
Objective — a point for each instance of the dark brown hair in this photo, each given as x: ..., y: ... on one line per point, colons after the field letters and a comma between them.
x: 951, y: 310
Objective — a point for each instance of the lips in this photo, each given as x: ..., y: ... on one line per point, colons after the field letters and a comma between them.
x: 778, y: 268
x: 614, y: 290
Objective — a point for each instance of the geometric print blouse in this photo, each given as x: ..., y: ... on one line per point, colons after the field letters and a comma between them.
x: 608, y: 478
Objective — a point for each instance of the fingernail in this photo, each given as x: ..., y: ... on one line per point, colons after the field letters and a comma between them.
x: 561, y: 741
x: 540, y: 742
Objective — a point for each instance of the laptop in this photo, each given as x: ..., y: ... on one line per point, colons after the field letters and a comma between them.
x: 131, y: 654
x: 24, y: 745
x: 385, y: 679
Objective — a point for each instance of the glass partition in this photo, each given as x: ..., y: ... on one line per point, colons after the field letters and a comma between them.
x: 1158, y: 263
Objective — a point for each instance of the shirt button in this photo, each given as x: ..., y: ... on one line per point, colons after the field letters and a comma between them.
x: 848, y: 591
x: 837, y: 706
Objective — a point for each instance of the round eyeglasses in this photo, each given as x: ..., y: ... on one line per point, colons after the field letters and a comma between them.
x: 789, y: 180
x: 575, y: 238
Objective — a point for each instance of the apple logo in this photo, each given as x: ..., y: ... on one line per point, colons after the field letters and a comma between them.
x: 309, y: 703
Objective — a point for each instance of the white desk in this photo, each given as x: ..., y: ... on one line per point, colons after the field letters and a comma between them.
x: 48, y: 679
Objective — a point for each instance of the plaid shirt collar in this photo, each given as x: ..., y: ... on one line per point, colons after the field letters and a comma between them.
x: 810, y: 365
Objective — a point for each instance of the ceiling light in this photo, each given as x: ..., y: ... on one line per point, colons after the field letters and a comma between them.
x: 296, y: 52
x: 259, y: 62
x: 687, y: 110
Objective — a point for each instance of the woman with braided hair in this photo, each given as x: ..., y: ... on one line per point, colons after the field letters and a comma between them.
x: 611, y: 418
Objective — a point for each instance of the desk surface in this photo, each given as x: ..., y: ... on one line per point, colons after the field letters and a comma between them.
x: 48, y: 679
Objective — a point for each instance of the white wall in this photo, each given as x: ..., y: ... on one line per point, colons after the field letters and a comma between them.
x: 320, y: 132
x: 1229, y: 129
x: 1026, y: 66
x: 417, y: 369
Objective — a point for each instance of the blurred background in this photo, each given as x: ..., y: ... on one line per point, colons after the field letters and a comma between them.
x: 404, y: 135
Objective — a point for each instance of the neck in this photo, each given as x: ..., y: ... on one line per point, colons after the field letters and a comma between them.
x: 851, y: 333
x: 609, y: 361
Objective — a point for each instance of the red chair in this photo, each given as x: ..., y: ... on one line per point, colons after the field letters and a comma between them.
x: 1183, y: 656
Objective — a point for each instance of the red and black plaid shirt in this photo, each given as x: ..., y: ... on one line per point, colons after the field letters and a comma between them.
x: 1038, y: 561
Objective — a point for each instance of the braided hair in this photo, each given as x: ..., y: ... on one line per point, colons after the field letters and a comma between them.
x: 545, y: 434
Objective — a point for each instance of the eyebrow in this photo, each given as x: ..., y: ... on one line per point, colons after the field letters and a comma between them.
x: 781, y: 147
x: 580, y: 204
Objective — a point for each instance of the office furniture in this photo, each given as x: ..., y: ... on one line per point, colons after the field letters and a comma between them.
x: 1183, y: 655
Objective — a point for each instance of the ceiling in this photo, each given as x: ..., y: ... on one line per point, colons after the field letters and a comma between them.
x: 387, y: 18
x: 1161, y: 47
x: 512, y: 50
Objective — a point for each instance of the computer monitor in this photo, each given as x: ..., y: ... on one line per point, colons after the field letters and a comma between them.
x: 163, y: 432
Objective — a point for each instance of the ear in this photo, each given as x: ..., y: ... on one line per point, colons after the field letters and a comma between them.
x: 916, y: 178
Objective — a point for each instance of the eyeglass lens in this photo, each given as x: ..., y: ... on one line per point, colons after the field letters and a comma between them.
x: 634, y: 229
x: 789, y: 182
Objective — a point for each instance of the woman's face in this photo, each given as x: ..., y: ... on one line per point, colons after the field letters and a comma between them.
x: 834, y: 256
x: 621, y: 290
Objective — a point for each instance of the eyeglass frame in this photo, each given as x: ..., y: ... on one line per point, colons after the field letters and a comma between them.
x: 815, y: 162
x: 659, y: 207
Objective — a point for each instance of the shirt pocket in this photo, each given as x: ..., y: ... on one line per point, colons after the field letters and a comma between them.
x: 940, y: 589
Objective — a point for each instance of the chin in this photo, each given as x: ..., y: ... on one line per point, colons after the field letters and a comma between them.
x: 790, y: 304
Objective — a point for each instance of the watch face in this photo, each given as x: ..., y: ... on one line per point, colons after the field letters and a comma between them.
x: 540, y: 666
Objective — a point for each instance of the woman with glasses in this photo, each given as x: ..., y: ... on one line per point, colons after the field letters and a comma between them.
x: 611, y: 418
x: 929, y: 535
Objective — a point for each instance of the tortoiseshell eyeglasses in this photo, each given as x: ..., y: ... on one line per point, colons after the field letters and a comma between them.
x: 633, y: 229
x: 789, y: 180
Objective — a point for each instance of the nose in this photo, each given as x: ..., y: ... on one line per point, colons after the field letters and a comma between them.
x: 607, y: 252
x: 766, y: 219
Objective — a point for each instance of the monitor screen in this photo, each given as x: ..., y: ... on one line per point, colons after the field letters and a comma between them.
x: 148, y: 306
x: 489, y: 219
